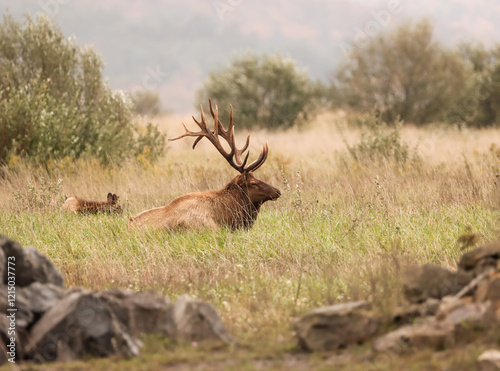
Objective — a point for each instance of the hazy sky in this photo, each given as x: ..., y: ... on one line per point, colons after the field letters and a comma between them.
x: 171, y: 46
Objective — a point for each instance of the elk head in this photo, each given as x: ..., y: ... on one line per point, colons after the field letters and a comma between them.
x: 113, y: 203
x: 256, y: 191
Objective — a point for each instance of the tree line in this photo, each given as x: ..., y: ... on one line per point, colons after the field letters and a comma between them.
x: 404, y: 74
x: 55, y: 104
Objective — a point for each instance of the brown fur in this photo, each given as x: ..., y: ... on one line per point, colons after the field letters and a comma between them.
x: 235, y: 206
x: 74, y: 204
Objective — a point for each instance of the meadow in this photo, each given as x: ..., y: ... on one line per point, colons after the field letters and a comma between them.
x: 344, y: 229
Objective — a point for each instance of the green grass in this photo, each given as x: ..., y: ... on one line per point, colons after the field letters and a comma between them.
x: 337, y: 233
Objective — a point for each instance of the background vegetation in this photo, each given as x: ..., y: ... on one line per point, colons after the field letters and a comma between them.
x: 344, y: 229
x: 402, y: 74
x: 55, y: 105
x: 363, y: 194
x: 268, y: 91
x: 405, y: 73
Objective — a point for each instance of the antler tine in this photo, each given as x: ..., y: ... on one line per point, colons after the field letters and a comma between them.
x: 220, y: 129
x: 216, y: 118
x: 234, y: 156
x: 230, y: 128
x: 258, y: 163
x: 239, y: 152
x: 189, y: 133
x: 246, y: 159
x: 186, y: 134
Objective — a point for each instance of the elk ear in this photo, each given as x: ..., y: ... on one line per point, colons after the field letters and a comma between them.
x: 246, y: 175
x: 110, y: 196
x: 115, y: 198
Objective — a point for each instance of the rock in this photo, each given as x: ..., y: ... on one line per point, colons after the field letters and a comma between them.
x: 30, y: 301
x: 41, y: 296
x: 15, y: 349
x: 481, y: 258
x: 80, y: 324
x: 150, y: 312
x: 456, y: 321
x: 30, y: 265
x: 3, y: 264
x: 337, y: 326
x: 489, y: 360
x: 429, y: 335
x: 432, y: 281
x: 467, y: 318
x: 141, y: 312
x: 489, y: 289
x: 408, y: 313
x: 24, y: 314
x: 194, y: 320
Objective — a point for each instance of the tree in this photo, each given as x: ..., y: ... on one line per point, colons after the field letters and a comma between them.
x: 54, y: 103
x: 404, y: 73
x: 480, y: 103
x: 146, y: 102
x: 267, y: 91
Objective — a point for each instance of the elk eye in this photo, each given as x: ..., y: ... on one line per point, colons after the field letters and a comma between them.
x: 253, y: 183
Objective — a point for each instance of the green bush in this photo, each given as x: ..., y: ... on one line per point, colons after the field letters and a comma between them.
x: 479, y: 103
x: 267, y: 91
x: 54, y: 103
x: 403, y: 73
x: 380, y: 142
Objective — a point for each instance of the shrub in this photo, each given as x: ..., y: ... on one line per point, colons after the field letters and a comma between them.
x: 45, y: 194
x: 479, y: 103
x: 403, y: 73
x: 54, y: 103
x: 146, y: 102
x: 380, y: 142
x: 267, y: 91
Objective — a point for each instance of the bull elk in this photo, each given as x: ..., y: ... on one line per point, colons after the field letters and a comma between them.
x: 234, y: 206
x: 74, y: 204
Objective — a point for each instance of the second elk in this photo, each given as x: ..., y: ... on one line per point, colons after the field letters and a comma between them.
x: 234, y: 206
x: 78, y: 205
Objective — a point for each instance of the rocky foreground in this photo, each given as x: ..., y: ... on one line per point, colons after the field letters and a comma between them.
x: 445, y: 309
x: 42, y: 321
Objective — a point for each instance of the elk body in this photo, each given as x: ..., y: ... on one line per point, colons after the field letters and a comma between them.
x: 74, y: 204
x: 235, y: 206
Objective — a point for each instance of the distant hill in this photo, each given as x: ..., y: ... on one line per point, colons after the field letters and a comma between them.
x: 171, y: 46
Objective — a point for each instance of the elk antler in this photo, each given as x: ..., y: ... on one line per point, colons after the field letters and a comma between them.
x: 234, y: 156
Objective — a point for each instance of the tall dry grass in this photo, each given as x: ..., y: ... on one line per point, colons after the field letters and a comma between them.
x: 342, y: 230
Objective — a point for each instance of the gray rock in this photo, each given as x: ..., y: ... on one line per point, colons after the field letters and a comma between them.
x: 80, y: 324
x: 15, y: 349
x: 432, y: 281
x: 467, y: 318
x: 30, y: 265
x: 41, y: 296
x: 150, y: 312
x: 481, y: 258
x: 456, y: 321
x: 24, y: 314
x: 489, y: 360
x: 428, y: 335
x: 337, y: 326
x: 194, y: 320
x: 3, y: 264
x: 408, y: 313
x: 141, y: 312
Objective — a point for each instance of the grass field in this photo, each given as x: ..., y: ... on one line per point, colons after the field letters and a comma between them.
x: 342, y: 230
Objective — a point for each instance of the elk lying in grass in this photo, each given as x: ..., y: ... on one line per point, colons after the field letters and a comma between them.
x: 235, y: 206
x: 74, y: 204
